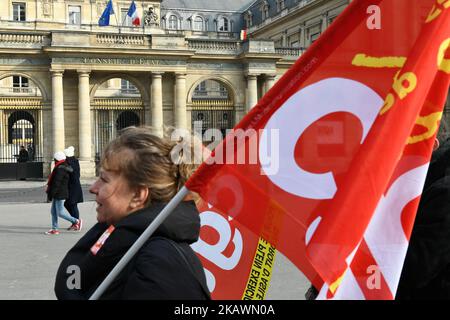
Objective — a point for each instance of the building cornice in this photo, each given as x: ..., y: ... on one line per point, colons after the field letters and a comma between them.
x: 53, y: 51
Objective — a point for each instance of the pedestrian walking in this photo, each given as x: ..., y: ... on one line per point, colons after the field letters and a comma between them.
x: 58, y: 191
x: 75, y: 191
x: 30, y: 151
x: 138, y: 177
x: 23, y: 155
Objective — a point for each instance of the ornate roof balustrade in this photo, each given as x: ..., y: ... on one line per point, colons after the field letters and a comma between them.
x: 14, y: 39
x: 290, y: 53
x: 200, y: 42
x: 121, y: 39
x: 215, y: 46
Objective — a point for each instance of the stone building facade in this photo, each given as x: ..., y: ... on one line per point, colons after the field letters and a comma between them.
x: 65, y: 81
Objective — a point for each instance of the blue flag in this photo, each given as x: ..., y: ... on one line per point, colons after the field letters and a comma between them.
x: 104, y: 19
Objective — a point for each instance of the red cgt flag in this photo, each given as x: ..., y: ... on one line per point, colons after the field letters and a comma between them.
x: 238, y: 264
x: 328, y: 167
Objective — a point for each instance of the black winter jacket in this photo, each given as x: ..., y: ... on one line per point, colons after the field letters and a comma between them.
x: 158, y: 271
x: 75, y: 191
x: 426, y: 270
x: 59, y: 184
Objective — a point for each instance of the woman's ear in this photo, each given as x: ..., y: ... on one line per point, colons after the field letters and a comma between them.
x: 140, y: 197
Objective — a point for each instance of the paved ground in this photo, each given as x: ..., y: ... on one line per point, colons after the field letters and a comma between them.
x: 29, y: 258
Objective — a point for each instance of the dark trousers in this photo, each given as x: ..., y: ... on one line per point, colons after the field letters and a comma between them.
x: 73, y: 209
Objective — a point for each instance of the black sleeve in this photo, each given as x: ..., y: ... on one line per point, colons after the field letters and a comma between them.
x: 76, y: 169
x: 160, y: 273
x: 429, y: 247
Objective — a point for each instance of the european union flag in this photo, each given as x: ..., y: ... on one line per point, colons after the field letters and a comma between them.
x: 104, y: 19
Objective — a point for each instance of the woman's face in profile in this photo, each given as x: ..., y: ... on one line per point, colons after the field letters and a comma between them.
x: 113, y: 196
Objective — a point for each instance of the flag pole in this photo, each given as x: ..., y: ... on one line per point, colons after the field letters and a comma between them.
x: 143, y: 19
x: 123, y: 20
x: 140, y: 242
x: 117, y: 21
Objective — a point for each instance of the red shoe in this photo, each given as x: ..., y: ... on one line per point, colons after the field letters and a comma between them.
x: 79, y: 225
x: 52, y: 232
x: 72, y: 227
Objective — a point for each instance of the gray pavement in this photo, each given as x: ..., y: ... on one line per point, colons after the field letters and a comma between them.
x: 29, y: 258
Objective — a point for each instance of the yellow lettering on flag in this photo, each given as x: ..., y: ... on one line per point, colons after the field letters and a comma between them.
x: 261, y: 271
x: 333, y: 287
x: 437, y: 9
x: 388, y: 103
x: 404, y: 84
x: 444, y: 64
x: 363, y: 60
x: 431, y: 123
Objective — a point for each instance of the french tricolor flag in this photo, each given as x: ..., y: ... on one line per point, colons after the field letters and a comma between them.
x: 135, y: 20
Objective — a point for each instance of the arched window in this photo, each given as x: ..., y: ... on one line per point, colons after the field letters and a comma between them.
x: 224, y: 24
x: 248, y: 17
x: 20, y: 128
x: 20, y: 84
x: 280, y: 5
x: 127, y: 119
x: 173, y: 22
x: 212, y: 107
x: 265, y: 10
x: 197, y: 24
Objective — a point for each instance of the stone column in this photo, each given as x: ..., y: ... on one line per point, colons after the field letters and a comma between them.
x: 87, y: 165
x: 84, y: 116
x: 57, y: 111
x: 303, y: 37
x: 270, y: 80
x: 180, y: 101
x: 2, y: 132
x: 284, y: 43
x: 157, y: 103
x: 324, y: 22
x: 252, y: 91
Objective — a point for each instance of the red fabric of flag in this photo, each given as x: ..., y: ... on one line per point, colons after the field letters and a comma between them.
x: 330, y: 161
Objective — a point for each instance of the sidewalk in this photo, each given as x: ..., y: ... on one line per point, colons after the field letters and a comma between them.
x: 30, y: 258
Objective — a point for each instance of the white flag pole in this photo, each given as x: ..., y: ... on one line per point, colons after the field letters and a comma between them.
x: 140, y: 242
x: 115, y: 17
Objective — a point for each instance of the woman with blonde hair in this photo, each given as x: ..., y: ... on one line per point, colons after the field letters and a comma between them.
x: 140, y: 173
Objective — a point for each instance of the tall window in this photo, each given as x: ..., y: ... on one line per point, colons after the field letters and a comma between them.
x: 198, y: 24
x: 75, y: 15
x: 314, y: 37
x: 248, y: 19
x: 173, y: 22
x: 200, y: 90
x: 127, y: 87
x: 280, y: 5
x: 265, y: 10
x: 126, y: 18
x: 330, y: 20
x: 20, y: 84
x: 223, y: 24
x: 19, y: 11
x: 223, y: 91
